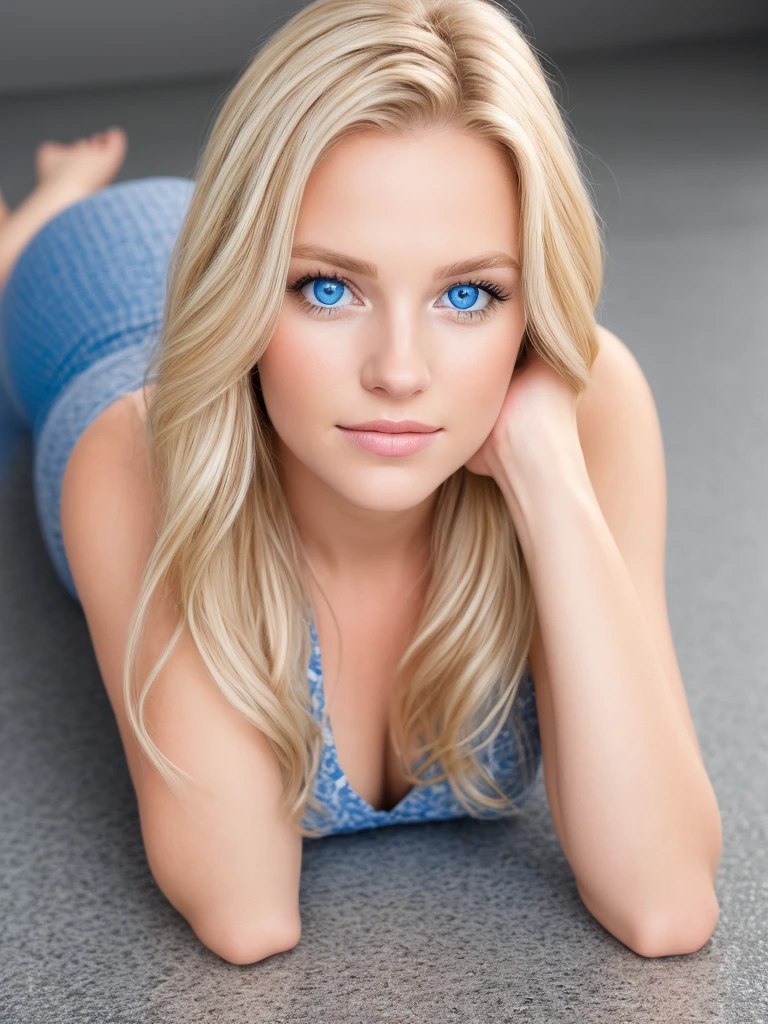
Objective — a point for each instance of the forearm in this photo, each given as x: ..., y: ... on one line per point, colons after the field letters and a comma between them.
x: 638, y: 809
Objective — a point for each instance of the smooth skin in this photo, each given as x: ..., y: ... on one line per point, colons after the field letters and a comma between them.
x: 397, y: 348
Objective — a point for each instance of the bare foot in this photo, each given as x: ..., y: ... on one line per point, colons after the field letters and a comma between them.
x: 66, y: 173
x: 84, y: 165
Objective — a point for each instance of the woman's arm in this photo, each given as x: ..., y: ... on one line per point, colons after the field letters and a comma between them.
x: 636, y: 810
x: 223, y: 856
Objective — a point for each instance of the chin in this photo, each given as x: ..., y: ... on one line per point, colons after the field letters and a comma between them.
x: 387, y: 492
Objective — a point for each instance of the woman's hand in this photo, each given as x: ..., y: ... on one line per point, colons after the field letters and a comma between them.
x: 540, y: 405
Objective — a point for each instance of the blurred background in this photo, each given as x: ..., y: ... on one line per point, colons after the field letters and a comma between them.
x: 465, y: 921
x: 49, y: 45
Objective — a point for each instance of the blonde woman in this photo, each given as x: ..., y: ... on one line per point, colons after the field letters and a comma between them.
x: 364, y: 511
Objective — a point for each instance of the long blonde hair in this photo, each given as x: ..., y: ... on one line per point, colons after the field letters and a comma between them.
x: 227, y: 548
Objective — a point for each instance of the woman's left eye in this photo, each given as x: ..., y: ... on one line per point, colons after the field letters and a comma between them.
x: 328, y: 291
x: 464, y: 297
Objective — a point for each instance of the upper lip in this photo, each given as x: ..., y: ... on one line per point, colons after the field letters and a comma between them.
x: 393, y: 426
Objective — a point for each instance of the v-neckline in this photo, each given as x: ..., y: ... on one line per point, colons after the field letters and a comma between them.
x: 325, y: 719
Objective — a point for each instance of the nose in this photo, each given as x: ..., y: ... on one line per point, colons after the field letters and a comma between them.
x: 398, y: 358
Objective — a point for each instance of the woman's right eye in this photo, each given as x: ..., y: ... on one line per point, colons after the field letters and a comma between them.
x: 321, y: 293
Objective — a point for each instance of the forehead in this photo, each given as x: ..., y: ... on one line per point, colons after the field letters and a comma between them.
x: 445, y: 186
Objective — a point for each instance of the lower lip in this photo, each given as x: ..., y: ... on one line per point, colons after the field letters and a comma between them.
x: 381, y: 443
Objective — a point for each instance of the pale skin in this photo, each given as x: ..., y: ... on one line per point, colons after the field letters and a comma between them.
x: 631, y: 802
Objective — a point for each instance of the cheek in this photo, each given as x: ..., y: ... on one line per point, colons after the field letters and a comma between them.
x: 284, y: 380
x: 295, y: 379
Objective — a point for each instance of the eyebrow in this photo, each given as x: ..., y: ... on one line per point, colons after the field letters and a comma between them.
x: 486, y: 261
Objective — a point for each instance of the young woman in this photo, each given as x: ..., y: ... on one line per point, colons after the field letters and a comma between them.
x: 386, y: 528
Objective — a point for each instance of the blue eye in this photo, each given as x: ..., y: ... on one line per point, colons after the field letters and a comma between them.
x: 327, y: 290
x: 320, y: 294
x: 465, y: 295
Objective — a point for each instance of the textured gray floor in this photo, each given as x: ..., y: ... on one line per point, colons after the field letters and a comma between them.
x: 460, y: 921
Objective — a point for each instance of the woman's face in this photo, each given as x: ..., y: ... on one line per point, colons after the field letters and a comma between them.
x: 380, y: 326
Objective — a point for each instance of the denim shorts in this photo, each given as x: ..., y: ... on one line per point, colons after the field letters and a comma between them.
x: 80, y: 316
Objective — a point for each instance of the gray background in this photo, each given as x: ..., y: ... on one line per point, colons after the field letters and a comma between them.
x: 461, y: 921
x: 48, y: 44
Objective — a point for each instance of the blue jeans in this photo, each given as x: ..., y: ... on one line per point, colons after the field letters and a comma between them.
x: 79, y: 317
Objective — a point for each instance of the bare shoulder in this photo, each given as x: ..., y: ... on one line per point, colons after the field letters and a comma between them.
x: 615, y: 363
x: 141, y: 399
x: 107, y: 478
x: 614, y: 373
x: 117, y: 436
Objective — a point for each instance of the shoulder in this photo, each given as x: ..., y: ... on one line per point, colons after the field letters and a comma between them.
x: 116, y: 436
x: 621, y: 438
x: 140, y: 400
x: 616, y: 378
x: 114, y: 441
x: 107, y: 507
x: 615, y: 366
x: 616, y: 414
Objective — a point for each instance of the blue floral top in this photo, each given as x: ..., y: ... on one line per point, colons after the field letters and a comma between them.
x: 435, y: 801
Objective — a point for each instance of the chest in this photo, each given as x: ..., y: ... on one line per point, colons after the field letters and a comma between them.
x: 361, y: 644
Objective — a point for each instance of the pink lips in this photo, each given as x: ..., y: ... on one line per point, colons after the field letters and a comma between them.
x: 393, y: 426
x: 390, y: 437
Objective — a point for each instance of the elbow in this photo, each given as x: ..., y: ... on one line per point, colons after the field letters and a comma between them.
x: 241, y: 944
x: 675, y: 932
x: 672, y: 930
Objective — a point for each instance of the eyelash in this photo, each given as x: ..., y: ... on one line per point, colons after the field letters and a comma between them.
x: 497, y: 295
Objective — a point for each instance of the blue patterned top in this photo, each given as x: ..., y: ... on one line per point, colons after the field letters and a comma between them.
x: 435, y: 801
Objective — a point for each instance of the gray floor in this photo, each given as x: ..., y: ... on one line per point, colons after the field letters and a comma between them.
x: 461, y: 921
